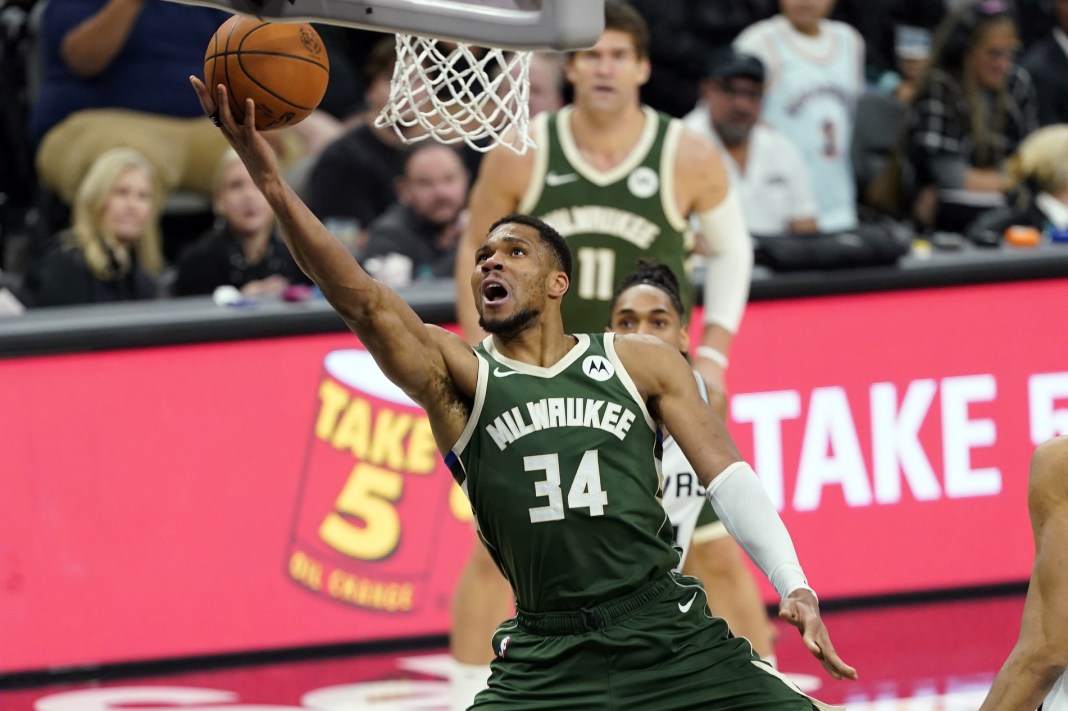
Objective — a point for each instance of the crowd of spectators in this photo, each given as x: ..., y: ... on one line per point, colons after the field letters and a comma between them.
x: 829, y: 115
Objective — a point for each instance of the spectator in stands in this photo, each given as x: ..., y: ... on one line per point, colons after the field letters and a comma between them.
x: 112, y: 250
x: 115, y: 73
x: 815, y: 72
x: 681, y: 34
x: 763, y: 164
x: 1047, y: 62
x: 882, y: 110
x: 970, y: 113
x: 428, y: 218
x: 1037, y: 182
x: 244, y: 249
x: 353, y: 180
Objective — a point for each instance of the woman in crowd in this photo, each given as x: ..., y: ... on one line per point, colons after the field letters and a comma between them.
x: 112, y: 250
x: 1037, y: 185
x: 244, y: 249
x: 972, y: 110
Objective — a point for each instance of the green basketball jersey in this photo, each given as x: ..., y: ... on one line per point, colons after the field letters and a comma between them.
x: 561, y: 466
x: 612, y: 218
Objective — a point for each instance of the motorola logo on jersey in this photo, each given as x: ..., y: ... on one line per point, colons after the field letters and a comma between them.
x: 643, y: 182
x: 598, y: 368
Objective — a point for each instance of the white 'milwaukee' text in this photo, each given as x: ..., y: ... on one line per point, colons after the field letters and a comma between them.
x: 547, y: 413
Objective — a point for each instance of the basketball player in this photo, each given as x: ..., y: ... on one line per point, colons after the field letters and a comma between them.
x: 815, y: 75
x: 1035, y: 670
x: 602, y: 620
x: 649, y: 302
x: 618, y: 181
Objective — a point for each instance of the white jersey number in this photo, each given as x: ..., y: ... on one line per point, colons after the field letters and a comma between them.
x: 585, y: 491
x: 597, y: 269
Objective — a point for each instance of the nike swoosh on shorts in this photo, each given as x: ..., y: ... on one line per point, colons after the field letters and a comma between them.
x: 686, y: 608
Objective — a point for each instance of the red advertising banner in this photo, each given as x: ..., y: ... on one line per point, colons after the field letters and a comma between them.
x: 254, y: 495
x: 217, y: 498
x: 894, y: 430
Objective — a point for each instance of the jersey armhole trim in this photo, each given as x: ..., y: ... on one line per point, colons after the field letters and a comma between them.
x: 624, y: 377
x: 476, y: 408
x: 669, y: 154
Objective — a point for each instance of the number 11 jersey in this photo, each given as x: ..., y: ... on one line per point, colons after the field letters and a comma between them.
x: 609, y: 218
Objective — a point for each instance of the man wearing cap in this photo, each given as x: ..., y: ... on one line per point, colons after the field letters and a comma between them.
x: 764, y: 166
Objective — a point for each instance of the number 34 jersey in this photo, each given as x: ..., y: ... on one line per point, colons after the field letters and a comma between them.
x: 561, y: 466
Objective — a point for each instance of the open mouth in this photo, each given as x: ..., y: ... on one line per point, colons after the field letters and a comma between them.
x: 494, y: 293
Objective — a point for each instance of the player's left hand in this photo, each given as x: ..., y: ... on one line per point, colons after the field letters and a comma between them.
x: 252, y: 146
x: 801, y: 609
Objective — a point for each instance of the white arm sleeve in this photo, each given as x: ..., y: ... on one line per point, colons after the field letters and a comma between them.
x: 730, y: 262
x: 749, y: 516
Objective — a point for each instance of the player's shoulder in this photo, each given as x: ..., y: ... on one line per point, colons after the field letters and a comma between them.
x: 1048, y: 479
x: 639, y: 351
x: 699, y: 166
x: 694, y: 145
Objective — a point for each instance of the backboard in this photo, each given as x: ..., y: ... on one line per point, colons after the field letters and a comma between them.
x: 508, y: 24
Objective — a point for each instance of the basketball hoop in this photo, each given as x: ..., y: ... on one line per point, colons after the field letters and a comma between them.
x: 454, y: 91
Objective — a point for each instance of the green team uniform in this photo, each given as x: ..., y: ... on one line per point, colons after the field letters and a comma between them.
x: 560, y: 465
x: 609, y: 218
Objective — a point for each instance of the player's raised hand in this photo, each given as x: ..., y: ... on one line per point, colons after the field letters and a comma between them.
x: 801, y: 609
x: 253, y: 148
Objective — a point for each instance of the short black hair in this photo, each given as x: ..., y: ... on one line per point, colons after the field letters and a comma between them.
x: 548, y: 235
x: 653, y: 273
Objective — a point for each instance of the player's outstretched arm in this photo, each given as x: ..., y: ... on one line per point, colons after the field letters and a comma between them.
x: 424, y: 361
x: 1040, y: 656
x: 664, y: 378
x: 729, y: 266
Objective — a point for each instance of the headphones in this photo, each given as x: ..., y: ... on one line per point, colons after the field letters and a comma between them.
x: 960, y: 36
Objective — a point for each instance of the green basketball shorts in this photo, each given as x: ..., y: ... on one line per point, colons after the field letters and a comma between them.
x: 656, y: 648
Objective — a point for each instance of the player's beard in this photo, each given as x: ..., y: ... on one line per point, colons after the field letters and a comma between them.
x: 510, y: 326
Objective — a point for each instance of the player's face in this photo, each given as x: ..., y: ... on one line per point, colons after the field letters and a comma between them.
x: 435, y: 186
x: 993, y: 55
x: 734, y: 105
x: 128, y: 206
x: 241, y: 204
x: 607, y: 76
x: 510, y: 278
x: 647, y: 309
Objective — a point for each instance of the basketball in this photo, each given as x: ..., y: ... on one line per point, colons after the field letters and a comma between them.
x: 281, y: 66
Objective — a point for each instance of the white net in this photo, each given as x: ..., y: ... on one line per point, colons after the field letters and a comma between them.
x: 455, y: 92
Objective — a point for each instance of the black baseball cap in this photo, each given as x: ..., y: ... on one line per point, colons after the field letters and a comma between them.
x: 728, y: 63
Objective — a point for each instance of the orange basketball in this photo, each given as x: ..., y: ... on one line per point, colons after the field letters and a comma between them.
x: 281, y: 66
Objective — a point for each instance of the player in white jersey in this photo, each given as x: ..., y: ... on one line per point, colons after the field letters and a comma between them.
x: 648, y: 302
x: 815, y: 77
x: 1037, y: 668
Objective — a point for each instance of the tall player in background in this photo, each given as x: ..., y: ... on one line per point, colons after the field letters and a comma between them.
x: 815, y: 78
x: 649, y: 301
x: 1035, y: 672
x: 618, y: 181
